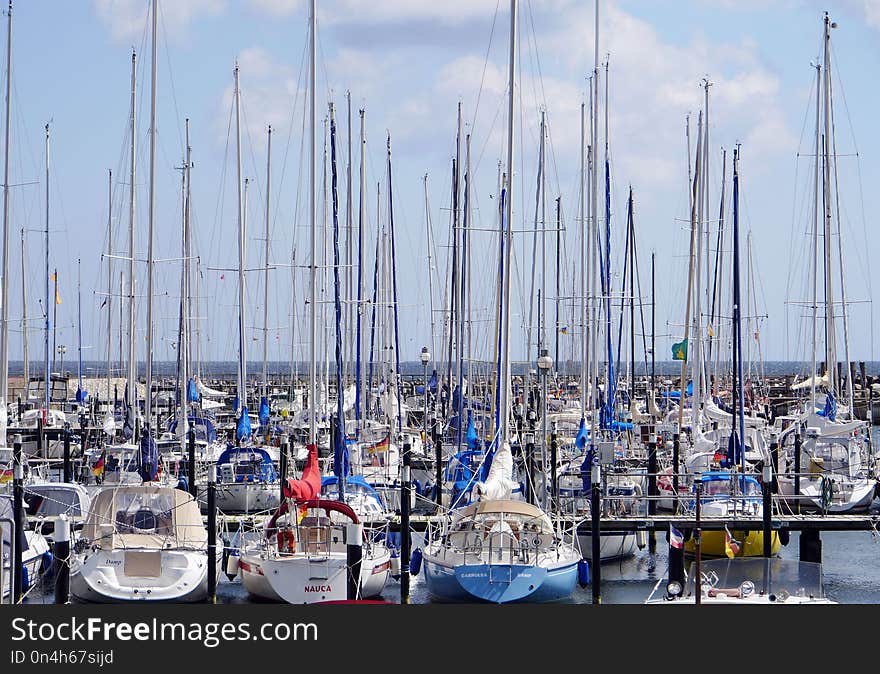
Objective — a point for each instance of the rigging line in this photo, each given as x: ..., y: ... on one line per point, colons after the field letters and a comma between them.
x: 300, y: 79
x: 485, y: 66
x: 177, y: 114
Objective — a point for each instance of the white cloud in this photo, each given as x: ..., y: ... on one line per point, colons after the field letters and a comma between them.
x: 268, y: 89
x: 276, y: 7
x: 129, y: 18
x: 872, y: 12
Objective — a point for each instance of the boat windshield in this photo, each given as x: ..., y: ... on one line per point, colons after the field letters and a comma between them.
x: 780, y: 577
x: 144, y: 513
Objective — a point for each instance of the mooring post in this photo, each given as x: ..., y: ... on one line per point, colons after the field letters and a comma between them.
x: 652, y: 489
x: 767, y: 475
x: 404, y: 525
x: 62, y: 559
x: 354, y: 538
x: 797, y: 472
x: 40, y: 436
x: 67, y: 476
x: 811, y: 546
x: 595, y: 506
x: 283, y: 466
x: 191, y: 461
x: 698, y: 542
x: 18, y: 534
x: 676, y: 446
x: 212, y: 534
x: 530, y: 467
x: 554, y: 478
x: 438, y: 465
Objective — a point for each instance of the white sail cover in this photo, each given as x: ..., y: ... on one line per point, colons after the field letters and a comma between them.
x: 109, y: 426
x: 210, y: 392
x: 4, y: 421
x: 812, y: 382
x: 498, y: 484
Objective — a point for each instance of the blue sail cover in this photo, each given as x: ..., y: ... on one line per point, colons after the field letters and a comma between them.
x: 581, y: 440
x: 587, y: 468
x: 734, y: 451
x: 81, y: 395
x: 341, y: 466
x: 149, y: 458
x: 243, y: 430
x: 128, y: 424
x: 473, y: 441
x: 192, y: 391
x: 264, y: 410
x: 830, y: 409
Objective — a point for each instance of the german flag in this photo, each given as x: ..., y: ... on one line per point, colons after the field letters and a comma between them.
x: 6, y: 475
x: 381, y: 446
x: 98, y: 468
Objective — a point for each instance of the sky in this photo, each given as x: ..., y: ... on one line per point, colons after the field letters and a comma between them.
x: 409, y: 65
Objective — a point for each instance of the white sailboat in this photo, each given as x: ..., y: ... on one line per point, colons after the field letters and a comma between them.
x: 497, y: 549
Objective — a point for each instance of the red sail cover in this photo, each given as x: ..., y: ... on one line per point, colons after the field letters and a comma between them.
x: 309, y: 486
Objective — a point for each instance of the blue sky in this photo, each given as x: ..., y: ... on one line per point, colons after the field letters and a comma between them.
x: 409, y: 64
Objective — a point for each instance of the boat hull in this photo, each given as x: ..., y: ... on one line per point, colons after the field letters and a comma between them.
x: 108, y: 576
x: 500, y: 583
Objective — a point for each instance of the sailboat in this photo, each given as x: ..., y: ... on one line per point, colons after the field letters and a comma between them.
x: 832, y: 470
x: 247, y: 479
x: 497, y: 549
x: 301, y: 556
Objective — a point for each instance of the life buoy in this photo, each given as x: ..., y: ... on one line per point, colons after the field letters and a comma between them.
x: 286, y: 540
x: 664, y: 480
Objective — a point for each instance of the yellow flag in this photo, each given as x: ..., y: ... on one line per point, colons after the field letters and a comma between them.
x: 57, y: 297
x: 53, y: 276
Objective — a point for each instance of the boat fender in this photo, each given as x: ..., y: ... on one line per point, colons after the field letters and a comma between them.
x: 182, y: 483
x: 395, y: 566
x: 47, y: 563
x: 25, y: 579
x: 583, y: 573
x: 784, y: 536
x: 415, y: 563
x: 417, y: 487
x: 641, y: 539
x: 827, y: 492
x: 230, y: 564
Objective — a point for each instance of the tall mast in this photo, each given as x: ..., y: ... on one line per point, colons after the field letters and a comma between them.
x: 266, y: 269
x: 109, y: 280
x: 4, y: 275
x: 584, y: 266
x: 242, y: 209
x: 131, y: 390
x: 697, y: 401
x: 48, y: 377
x: 79, y: 329
x: 504, y: 399
x: 313, y: 298
x: 430, y: 246
x: 594, y: 231
x: 24, y: 319
x: 830, y: 357
x: 349, y: 252
x: 183, y: 346
x: 362, y: 215
x: 148, y: 405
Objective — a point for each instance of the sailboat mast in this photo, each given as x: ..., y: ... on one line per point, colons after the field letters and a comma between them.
x: 148, y: 405
x: 362, y: 215
x: 593, y: 236
x: 79, y: 326
x: 183, y: 346
x: 266, y: 268
x: 4, y: 276
x: 48, y: 377
x: 584, y: 266
x: 24, y: 319
x: 109, y: 280
x: 313, y: 224
x: 131, y: 391
x: 830, y: 358
x: 242, y: 208
x: 430, y: 245
x: 504, y: 400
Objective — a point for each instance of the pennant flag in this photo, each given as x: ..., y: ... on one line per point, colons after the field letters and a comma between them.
x: 381, y: 446
x: 57, y: 297
x: 680, y: 350
x: 711, y: 330
x: 98, y: 468
x: 676, y: 538
x: 731, y: 545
